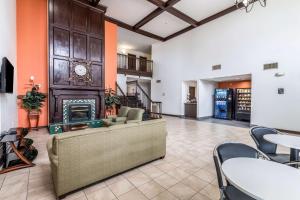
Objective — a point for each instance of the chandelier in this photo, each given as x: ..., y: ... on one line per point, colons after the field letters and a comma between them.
x: 249, y: 4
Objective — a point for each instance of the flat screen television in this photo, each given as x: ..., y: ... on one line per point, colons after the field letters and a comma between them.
x: 6, y: 77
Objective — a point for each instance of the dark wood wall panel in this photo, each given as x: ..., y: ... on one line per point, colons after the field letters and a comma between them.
x: 80, y: 46
x: 95, y: 49
x: 61, y: 72
x: 76, y: 34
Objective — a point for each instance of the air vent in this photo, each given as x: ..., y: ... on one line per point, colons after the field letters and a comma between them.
x: 271, y: 66
x: 216, y: 67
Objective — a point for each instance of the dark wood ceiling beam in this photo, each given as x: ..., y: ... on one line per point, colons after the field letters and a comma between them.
x: 204, y: 21
x: 182, y: 16
x: 168, y: 6
x: 148, y: 18
x: 161, y: 8
x: 131, y: 28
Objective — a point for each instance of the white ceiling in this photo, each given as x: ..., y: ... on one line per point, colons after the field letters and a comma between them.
x: 128, y: 11
x: 129, y: 40
x: 165, y: 24
x: 201, y: 9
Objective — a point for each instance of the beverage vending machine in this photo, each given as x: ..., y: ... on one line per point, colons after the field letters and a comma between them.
x: 223, y: 104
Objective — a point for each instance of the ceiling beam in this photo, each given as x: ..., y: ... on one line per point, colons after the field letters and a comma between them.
x: 168, y: 6
x: 161, y: 8
x: 204, y: 21
x: 131, y: 28
x: 148, y: 18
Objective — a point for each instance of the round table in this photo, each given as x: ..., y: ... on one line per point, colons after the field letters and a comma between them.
x: 292, y: 142
x: 262, y: 179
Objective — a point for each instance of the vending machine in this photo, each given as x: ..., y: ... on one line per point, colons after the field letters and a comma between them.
x: 223, y: 104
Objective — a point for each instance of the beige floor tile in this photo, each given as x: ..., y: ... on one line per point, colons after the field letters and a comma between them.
x: 114, y: 179
x: 131, y: 173
x: 102, y: 194
x: 182, y: 191
x: 121, y: 187
x: 200, y: 197
x: 195, y: 183
x: 211, y: 191
x: 152, y: 171
x: 95, y: 187
x: 166, y: 195
x: 179, y: 174
x: 166, y: 181
x: 166, y: 167
x: 80, y: 195
x: 133, y: 195
x: 16, y: 196
x: 18, y: 188
x: 139, y: 179
x: 151, y: 189
x: 205, y: 175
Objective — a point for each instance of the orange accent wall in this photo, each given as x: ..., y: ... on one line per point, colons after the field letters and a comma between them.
x: 111, y: 39
x: 235, y: 84
x: 32, y: 51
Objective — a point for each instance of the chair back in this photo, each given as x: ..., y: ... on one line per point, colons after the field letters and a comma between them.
x: 257, y: 133
x: 227, y: 151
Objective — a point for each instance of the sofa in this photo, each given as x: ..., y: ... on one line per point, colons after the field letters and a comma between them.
x: 126, y: 115
x: 81, y: 158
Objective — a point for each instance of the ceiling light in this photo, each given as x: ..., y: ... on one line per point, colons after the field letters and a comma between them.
x: 249, y: 4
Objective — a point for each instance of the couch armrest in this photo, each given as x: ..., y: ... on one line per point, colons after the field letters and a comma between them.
x: 120, y: 119
x: 52, y: 157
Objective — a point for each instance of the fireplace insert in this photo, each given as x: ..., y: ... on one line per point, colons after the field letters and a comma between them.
x: 79, y: 113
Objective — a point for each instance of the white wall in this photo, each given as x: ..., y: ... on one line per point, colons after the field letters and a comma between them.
x: 242, y: 43
x: 8, y: 102
x: 206, y: 91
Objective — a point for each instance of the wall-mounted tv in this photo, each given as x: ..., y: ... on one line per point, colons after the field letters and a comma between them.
x: 6, y: 77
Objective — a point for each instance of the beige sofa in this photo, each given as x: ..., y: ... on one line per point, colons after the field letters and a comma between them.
x: 81, y: 158
x: 126, y: 115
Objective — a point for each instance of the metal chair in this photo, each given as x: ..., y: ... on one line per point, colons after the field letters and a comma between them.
x: 224, y: 152
x: 257, y: 133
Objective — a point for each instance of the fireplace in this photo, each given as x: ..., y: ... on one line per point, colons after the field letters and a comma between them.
x: 78, y: 110
x: 78, y: 113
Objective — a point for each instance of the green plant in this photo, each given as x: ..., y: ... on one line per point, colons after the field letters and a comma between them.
x: 33, y: 100
x: 111, y: 98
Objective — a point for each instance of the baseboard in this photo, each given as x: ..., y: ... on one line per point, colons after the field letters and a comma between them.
x: 172, y: 115
x: 204, y: 118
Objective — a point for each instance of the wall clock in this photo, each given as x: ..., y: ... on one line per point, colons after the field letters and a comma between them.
x: 81, y: 72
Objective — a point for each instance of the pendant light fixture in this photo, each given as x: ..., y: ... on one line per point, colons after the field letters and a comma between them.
x: 249, y: 4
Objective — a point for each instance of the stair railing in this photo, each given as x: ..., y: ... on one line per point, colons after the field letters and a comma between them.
x: 154, y: 107
x: 121, y: 93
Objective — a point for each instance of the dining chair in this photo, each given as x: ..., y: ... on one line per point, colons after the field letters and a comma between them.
x: 257, y: 133
x: 227, y: 151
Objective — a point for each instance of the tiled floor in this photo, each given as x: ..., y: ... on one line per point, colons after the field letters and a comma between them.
x: 187, y: 172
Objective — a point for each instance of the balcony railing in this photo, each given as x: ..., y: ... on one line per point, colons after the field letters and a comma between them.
x: 132, y: 65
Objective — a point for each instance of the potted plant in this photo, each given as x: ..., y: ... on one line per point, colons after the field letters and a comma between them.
x: 32, y: 102
x: 111, y: 100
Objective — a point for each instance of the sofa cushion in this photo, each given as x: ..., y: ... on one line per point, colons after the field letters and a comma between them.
x: 123, y: 111
x: 135, y: 114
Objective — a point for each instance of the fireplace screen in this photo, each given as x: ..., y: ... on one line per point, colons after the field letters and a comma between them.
x: 78, y: 113
x: 78, y: 110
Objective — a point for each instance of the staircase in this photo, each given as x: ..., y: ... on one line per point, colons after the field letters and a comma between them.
x: 140, y: 99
